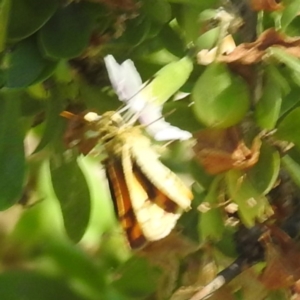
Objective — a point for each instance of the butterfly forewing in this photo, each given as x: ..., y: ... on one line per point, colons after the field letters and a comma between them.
x: 159, y: 175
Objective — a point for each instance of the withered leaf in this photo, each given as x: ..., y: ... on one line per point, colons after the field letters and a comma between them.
x: 220, y: 150
x: 283, y: 260
x: 252, y: 53
x: 268, y: 5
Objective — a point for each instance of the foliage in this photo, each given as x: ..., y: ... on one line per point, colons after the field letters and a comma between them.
x: 59, y: 234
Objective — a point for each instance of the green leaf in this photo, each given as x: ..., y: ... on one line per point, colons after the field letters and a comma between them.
x: 4, y: 17
x: 68, y: 32
x: 292, y: 62
x: 187, y: 17
x: 137, y: 278
x: 292, y: 167
x: 73, y: 194
x: 26, y: 285
x: 289, y: 126
x: 264, y: 173
x: 220, y: 98
x: 157, y: 10
x: 267, y: 109
x: 137, y: 31
x: 26, y: 65
x: 172, y: 41
x: 252, y: 205
x: 53, y: 122
x: 179, y: 114
x: 78, y: 265
x: 289, y: 13
x: 208, y: 39
x: 12, y: 157
x: 28, y: 16
x: 211, y: 225
x: 167, y: 81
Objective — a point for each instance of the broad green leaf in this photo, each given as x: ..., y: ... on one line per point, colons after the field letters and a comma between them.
x: 26, y: 65
x: 167, y: 81
x: 264, y: 173
x: 137, y: 278
x: 78, y: 265
x: 292, y: 62
x: 172, y: 41
x: 26, y: 285
x: 290, y: 101
x: 220, y: 98
x: 4, y: 16
x: 157, y: 10
x: 28, y: 16
x: 267, y: 109
x: 187, y: 17
x: 289, y: 13
x: 292, y: 167
x: 208, y: 39
x: 137, y: 31
x: 12, y: 157
x: 288, y: 128
x: 179, y: 114
x: 53, y: 122
x: 71, y: 189
x: 252, y: 205
x: 68, y: 32
x: 211, y: 223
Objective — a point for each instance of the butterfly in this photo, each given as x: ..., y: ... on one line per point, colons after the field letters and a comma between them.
x: 148, y: 197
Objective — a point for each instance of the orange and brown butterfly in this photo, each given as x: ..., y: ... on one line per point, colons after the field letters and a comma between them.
x: 148, y: 197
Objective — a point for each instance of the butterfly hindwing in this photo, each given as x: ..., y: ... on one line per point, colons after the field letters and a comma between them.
x: 122, y: 203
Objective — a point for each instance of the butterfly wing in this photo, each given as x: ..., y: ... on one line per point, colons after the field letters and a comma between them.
x: 159, y: 175
x: 156, y: 221
x: 122, y: 203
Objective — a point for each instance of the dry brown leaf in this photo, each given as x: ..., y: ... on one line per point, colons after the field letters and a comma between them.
x: 268, y: 5
x: 252, y: 53
x: 220, y: 150
x: 283, y: 260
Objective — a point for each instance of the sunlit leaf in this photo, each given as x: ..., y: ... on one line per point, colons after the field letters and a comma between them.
x: 292, y: 167
x: 211, y: 223
x: 264, y: 173
x: 251, y: 204
x: 289, y: 126
x: 268, y: 108
x: 221, y: 99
